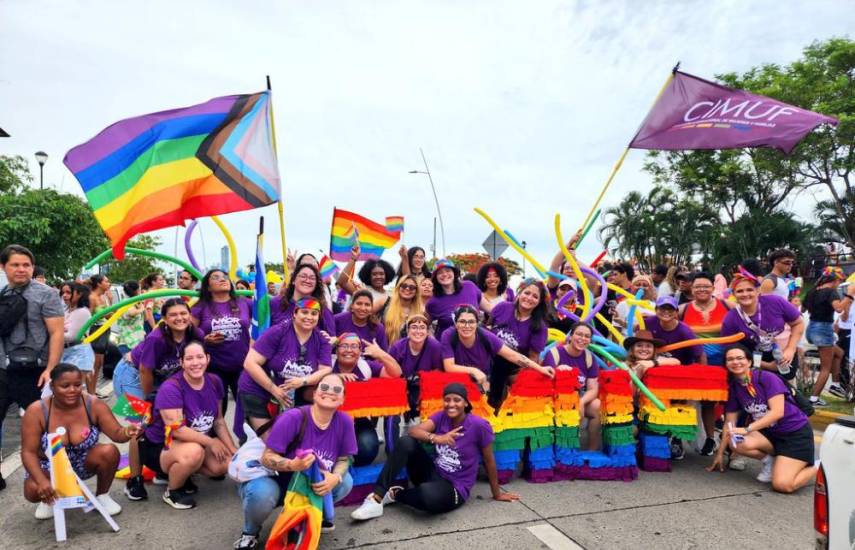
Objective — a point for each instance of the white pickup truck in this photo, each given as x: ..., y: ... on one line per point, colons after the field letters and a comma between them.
x: 834, y: 492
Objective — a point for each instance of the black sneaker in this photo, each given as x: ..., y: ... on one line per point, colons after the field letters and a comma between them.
x: 246, y: 542
x: 327, y: 526
x: 135, y: 489
x: 837, y: 391
x: 2, y: 482
x: 178, y: 499
x: 677, y: 452
x: 709, y: 447
x: 189, y: 487
x: 819, y: 402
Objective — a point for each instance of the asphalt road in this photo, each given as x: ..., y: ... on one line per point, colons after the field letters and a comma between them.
x: 687, y: 508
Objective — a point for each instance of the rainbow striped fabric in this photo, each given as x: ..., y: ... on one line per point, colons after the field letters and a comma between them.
x: 348, y: 228
x: 157, y: 170
x: 395, y: 224
x: 327, y: 268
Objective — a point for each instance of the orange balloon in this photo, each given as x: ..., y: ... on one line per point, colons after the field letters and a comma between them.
x: 732, y: 339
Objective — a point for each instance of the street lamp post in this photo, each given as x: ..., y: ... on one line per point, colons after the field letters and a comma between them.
x: 41, y: 158
x: 435, y: 199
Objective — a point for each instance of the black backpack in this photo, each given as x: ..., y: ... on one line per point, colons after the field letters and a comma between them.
x: 13, y: 308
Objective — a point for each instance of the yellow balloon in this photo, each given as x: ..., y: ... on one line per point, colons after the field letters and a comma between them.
x: 106, y: 326
x: 273, y: 277
x: 513, y: 245
x: 589, y: 297
x: 233, y: 258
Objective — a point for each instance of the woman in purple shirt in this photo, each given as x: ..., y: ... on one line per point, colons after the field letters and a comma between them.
x: 763, y: 318
x: 471, y: 349
x: 305, y: 283
x: 776, y: 426
x: 667, y: 326
x: 575, y: 353
x: 359, y: 320
x: 283, y: 366
x: 449, y: 291
x: 521, y: 324
x: 224, y: 319
x: 443, y: 482
x: 417, y: 352
x: 187, y: 412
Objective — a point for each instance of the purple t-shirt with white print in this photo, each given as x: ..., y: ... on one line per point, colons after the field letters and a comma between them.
x: 772, y: 315
x: 517, y: 335
x: 232, y: 320
x: 580, y: 362
x: 281, y: 347
x: 766, y: 384
x: 440, y: 308
x: 344, y: 323
x: 429, y: 358
x: 459, y: 464
x: 200, y: 407
x: 159, y: 357
x: 475, y: 356
x: 337, y: 440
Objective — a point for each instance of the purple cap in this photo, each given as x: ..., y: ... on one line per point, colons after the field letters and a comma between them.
x: 670, y: 301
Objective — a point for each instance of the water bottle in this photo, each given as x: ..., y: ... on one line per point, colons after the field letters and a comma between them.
x: 783, y: 368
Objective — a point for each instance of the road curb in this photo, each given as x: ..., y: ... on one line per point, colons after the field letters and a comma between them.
x: 821, y: 419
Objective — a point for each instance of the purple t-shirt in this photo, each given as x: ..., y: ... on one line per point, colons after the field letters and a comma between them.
x: 281, y: 347
x: 580, y: 362
x: 344, y: 323
x: 766, y: 385
x: 338, y: 439
x: 686, y: 356
x: 429, y: 358
x: 440, y: 308
x: 277, y: 315
x: 772, y: 315
x: 200, y: 407
x: 159, y: 356
x: 477, y: 356
x: 364, y: 369
x: 233, y: 321
x: 517, y: 335
x: 459, y: 464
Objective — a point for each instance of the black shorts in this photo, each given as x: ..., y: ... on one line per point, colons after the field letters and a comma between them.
x: 797, y: 444
x: 150, y: 455
x: 254, y: 406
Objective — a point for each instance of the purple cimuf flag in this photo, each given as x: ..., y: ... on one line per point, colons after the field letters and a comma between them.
x: 693, y: 113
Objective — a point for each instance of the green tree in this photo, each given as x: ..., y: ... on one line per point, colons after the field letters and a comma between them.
x: 134, y: 267
x: 58, y: 227
x: 14, y: 174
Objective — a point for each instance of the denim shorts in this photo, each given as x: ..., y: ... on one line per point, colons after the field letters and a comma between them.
x: 820, y: 334
x: 81, y: 356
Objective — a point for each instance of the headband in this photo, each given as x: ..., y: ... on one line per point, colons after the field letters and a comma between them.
x: 308, y: 303
x: 744, y: 275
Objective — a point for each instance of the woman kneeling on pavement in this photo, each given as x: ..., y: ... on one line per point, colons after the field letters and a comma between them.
x: 187, y: 411
x: 776, y: 426
x: 441, y: 482
x: 319, y: 427
x: 84, y: 418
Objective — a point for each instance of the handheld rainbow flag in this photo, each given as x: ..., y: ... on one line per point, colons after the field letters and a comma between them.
x: 395, y: 224
x: 260, y: 298
x: 327, y: 268
x: 348, y: 227
x: 298, y: 527
x: 159, y: 169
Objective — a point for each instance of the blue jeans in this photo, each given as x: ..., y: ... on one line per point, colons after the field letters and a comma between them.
x: 81, y: 356
x: 820, y: 334
x: 260, y: 496
x: 126, y: 379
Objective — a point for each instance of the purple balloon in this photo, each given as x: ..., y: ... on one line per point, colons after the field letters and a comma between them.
x: 566, y: 298
x: 601, y: 300
x: 187, y: 248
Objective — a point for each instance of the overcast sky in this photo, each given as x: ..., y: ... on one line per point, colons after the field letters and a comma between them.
x: 521, y: 108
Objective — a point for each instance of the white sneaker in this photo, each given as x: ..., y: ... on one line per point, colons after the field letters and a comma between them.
x: 765, y: 475
x: 737, y: 463
x: 111, y: 506
x: 389, y: 497
x: 44, y: 511
x: 370, y: 509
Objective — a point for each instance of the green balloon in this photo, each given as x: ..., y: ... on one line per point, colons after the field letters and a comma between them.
x: 635, y: 380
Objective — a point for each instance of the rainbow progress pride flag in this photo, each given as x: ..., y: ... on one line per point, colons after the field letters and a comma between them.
x: 157, y: 170
x: 348, y: 227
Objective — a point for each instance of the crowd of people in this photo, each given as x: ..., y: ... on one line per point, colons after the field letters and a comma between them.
x: 185, y: 358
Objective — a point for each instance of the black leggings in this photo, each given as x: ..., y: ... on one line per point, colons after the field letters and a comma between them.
x: 230, y: 382
x: 431, y: 493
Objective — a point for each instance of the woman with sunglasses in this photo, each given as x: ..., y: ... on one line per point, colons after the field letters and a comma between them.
x: 406, y: 301
x: 305, y: 282
x: 574, y: 353
x: 444, y: 481
x: 470, y: 349
x: 776, y: 426
x: 360, y: 319
x: 285, y: 364
x: 329, y: 436
x: 224, y: 319
x: 521, y: 325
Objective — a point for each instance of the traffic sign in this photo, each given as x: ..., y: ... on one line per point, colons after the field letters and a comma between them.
x: 495, y: 245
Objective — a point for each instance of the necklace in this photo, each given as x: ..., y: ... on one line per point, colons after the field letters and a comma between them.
x: 705, y: 310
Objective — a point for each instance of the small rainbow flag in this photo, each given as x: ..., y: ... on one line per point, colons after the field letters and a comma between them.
x: 327, y: 268
x: 348, y: 227
x: 395, y: 224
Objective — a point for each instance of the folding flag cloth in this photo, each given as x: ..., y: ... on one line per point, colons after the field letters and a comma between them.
x: 327, y: 268
x: 157, y: 170
x: 298, y: 527
x: 395, y: 224
x: 693, y: 113
x: 375, y: 397
x: 348, y: 227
